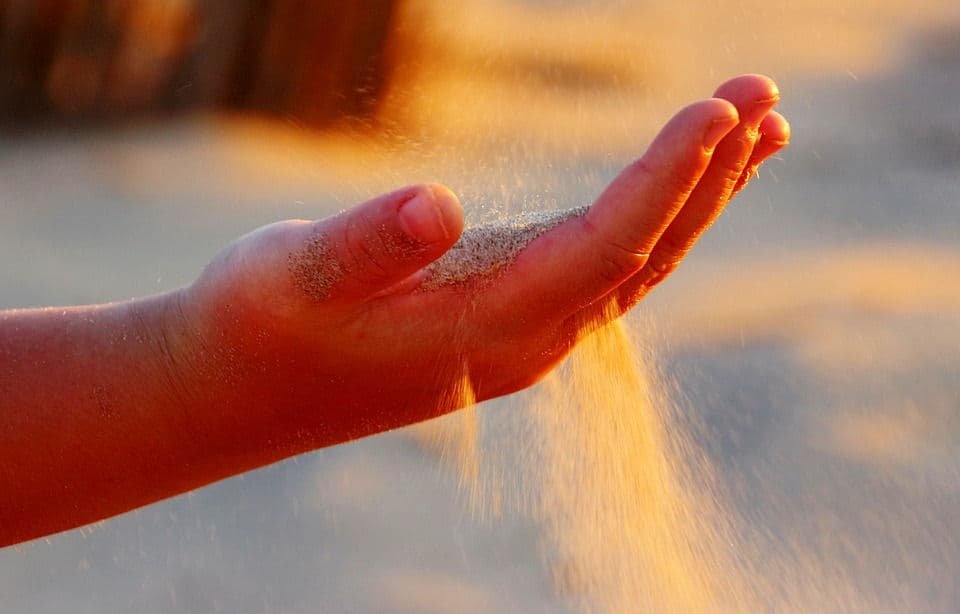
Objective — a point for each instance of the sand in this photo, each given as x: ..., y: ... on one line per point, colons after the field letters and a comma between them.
x: 315, y: 269
x: 632, y: 518
x: 483, y: 252
x: 821, y: 309
x: 480, y: 255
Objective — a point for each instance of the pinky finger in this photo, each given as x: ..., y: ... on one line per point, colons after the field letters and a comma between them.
x: 774, y: 136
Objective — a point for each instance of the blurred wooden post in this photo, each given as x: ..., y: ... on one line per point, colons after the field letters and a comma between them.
x: 318, y: 61
x: 29, y: 37
x: 322, y: 60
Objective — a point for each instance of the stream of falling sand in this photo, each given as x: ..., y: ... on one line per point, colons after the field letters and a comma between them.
x: 608, y: 466
x: 605, y: 468
x: 625, y: 500
x: 632, y: 530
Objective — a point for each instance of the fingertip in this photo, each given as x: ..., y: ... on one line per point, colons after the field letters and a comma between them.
x: 723, y: 118
x: 754, y: 87
x: 431, y: 215
x: 712, y: 119
x: 775, y: 127
x: 451, y: 211
x: 721, y: 108
x: 705, y: 112
x: 753, y: 95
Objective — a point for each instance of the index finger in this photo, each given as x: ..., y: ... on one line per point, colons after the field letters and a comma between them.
x: 587, y: 256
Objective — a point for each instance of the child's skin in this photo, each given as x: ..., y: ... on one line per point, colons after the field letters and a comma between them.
x: 306, y: 334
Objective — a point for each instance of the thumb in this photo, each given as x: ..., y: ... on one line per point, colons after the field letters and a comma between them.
x: 366, y: 249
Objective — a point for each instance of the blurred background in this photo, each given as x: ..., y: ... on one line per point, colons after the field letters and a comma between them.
x: 815, y: 332
x: 74, y: 61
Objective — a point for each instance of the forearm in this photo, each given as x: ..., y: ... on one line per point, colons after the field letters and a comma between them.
x: 101, y: 411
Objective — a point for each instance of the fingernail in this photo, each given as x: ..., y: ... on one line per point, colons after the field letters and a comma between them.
x: 421, y: 220
x: 760, y: 109
x: 718, y: 129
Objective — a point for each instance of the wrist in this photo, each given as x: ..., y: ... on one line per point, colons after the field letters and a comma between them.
x: 222, y: 381
x: 189, y: 371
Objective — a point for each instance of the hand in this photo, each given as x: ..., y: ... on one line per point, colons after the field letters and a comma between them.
x: 313, y: 333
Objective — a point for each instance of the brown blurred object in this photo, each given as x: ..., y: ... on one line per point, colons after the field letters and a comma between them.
x: 316, y: 61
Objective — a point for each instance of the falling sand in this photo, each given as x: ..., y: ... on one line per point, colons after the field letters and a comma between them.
x: 608, y: 466
x: 629, y: 521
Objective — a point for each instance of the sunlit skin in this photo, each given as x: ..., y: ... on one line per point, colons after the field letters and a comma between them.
x: 109, y: 407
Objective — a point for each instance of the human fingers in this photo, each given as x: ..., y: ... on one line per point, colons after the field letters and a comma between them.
x: 774, y: 136
x: 362, y: 251
x: 753, y: 96
x: 587, y: 256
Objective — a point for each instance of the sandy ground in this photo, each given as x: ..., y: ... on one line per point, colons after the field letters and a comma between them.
x: 816, y: 332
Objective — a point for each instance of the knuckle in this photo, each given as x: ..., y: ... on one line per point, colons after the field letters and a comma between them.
x: 748, y: 138
x: 364, y: 253
x: 613, y: 270
x: 730, y: 174
x: 730, y: 178
x: 641, y: 168
x: 617, y: 262
x: 661, y: 265
x: 682, y: 182
x: 669, y: 253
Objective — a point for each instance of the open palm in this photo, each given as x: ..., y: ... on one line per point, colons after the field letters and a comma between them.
x: 330, y: 330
